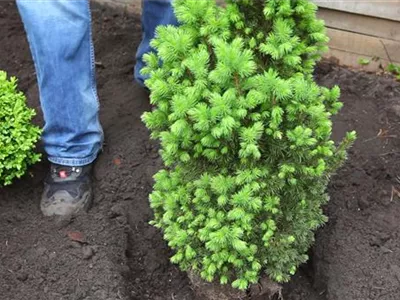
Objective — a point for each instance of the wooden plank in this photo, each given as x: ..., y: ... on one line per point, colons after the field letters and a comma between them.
x: 346, y: 58
x: 364, y: 45
x: 367, y: 25
x: 386, y: 9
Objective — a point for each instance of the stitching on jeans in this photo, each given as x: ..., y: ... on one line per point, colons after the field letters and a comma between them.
x: 92, y: 58
x: 93, y: 75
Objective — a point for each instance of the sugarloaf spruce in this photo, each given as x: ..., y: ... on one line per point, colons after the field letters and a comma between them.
x: 245, y: 137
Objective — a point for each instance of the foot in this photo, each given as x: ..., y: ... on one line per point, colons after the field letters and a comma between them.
x: 67, y: 190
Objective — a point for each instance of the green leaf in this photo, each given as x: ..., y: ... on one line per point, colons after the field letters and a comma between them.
x: 363, y: 61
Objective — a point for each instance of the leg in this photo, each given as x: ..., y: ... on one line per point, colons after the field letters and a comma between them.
x: 154, y: 13
x: 59, y: 34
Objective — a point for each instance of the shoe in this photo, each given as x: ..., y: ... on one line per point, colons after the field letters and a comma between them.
x: 67, y: 190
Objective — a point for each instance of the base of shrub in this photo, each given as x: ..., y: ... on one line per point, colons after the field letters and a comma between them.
x: 265, y: 289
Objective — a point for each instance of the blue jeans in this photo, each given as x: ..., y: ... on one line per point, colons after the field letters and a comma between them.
x: 60, y: 38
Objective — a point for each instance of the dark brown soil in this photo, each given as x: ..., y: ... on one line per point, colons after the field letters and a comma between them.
x: 356, y: 255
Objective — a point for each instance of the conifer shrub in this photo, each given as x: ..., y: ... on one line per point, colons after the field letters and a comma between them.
x: 18, y: 135
x: 245, y: 136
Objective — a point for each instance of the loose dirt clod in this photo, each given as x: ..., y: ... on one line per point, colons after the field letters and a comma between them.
x: 87, y: 252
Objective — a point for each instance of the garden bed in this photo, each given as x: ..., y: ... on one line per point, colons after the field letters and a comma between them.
x: 356, y: 256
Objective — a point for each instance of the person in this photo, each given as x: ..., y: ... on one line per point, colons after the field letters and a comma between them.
x: 60, y: 39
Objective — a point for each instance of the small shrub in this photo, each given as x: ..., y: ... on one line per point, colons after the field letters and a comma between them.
x: 245, y: 137
x: 363, y: 61
x: 17, y: 135
x: 394, y: 69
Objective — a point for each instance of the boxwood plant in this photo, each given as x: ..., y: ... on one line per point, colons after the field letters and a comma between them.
x: 18, y: 135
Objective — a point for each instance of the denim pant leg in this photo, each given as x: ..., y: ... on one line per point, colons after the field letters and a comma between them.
x: 59, y: 34
x: 154, y: 13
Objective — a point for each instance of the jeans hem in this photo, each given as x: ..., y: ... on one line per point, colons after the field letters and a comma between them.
x: 73, y: 162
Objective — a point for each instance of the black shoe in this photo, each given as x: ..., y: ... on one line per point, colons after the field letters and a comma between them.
x: 67, y: 190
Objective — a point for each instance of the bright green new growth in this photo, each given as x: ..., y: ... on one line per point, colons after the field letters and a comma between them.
x: 245, y: 136
x: 17, y: 134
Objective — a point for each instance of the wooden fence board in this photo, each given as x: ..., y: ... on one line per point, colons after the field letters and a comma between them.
x: 367, y: 25
x: 364, y: 45
x: 386, y: 9
x: 346, y: 58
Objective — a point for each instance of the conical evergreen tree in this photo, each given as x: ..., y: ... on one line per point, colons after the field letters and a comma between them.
x: 245, y: 136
